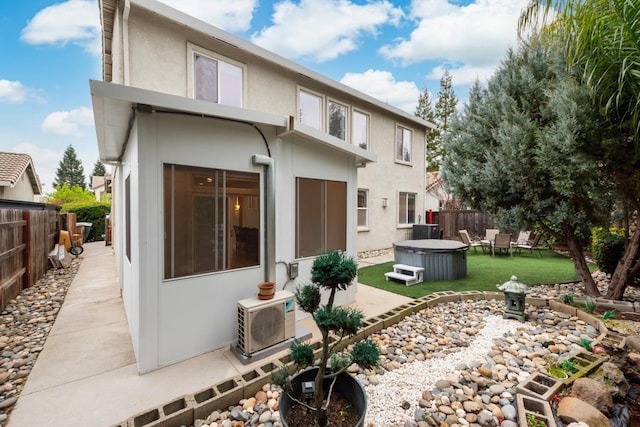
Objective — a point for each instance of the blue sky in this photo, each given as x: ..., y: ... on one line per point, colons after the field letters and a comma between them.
x: 389, y: 49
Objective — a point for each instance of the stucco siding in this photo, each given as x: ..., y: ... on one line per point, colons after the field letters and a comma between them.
x: 22, y: 190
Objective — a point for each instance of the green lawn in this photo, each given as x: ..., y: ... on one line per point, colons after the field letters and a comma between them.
x: 484, y: 272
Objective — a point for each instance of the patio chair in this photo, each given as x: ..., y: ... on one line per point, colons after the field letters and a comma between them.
x: 502, y: 242
x: 523, y: 238
x: 489, y: 237
x: 530, y: 245
x: 472, y: 243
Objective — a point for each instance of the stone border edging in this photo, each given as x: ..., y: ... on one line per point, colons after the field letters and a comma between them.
x: 186, y: 409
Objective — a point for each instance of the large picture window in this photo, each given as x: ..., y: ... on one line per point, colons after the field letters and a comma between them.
x: 360, y: 129
x: 363, y: 208
x: 216, y: 79
x: 321, y: 216
x: 403, y: 144
x: 310, y: 109
x: 407, y: 208
x: 210, y: 220
x: 338, y: 120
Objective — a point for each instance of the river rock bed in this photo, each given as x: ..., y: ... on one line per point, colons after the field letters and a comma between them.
x: 25, y: 324
x: 452, y: 364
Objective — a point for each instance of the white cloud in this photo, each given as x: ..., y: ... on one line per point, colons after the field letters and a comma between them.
x: 463, y: 75
x: 12, y: 92
x: 476, y: 34
x: 45, y: 161
x: 323, y: 29
x: 384, y: 87
x: 68, y: 122
x: 230, y: 15
x: 75, y: 21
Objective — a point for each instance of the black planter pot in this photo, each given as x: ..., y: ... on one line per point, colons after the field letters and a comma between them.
x: 345, y: 384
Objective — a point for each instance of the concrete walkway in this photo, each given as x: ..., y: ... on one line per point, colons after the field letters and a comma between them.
x: 86, y: 373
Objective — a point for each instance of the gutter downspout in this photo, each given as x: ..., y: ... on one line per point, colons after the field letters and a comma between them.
x: 270, y: 215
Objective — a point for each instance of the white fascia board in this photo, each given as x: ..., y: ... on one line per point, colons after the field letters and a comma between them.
x: 230, y: 39
x: 314, y: 135
x: 113, y: 110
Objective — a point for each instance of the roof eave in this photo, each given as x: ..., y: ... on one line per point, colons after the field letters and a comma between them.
x: 113, y: 110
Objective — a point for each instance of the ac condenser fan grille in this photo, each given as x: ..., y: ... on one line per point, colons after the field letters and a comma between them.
x: 267, y: 327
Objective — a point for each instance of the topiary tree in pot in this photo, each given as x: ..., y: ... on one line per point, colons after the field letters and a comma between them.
x: 333, y: 272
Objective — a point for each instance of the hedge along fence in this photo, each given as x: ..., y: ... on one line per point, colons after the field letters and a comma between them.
x: 26, y: 238
x: 93, y: 212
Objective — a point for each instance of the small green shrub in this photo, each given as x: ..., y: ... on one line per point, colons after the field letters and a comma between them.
x: 532, y: 421
x: 93, y: 212
x: 567, y: 365
x: 586, y: 344
x: 589, y: 305
x: 607, y: 248
x: 568, y: 299
x: 609, y: 314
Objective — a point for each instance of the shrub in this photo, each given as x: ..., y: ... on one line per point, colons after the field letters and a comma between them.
x: 93, y: 212
x: 607, y: 248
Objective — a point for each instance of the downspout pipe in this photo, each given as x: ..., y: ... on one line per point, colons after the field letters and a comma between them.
x: 270, y: 215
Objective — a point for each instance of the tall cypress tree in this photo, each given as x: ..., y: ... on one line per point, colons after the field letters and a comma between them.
x: 425, y: 111
x: 441, y: 116
x: 70, y: 170
x: 446, y: 103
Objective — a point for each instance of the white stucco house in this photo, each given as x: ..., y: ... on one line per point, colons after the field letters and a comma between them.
x: 18, y: 178
x: 231, y: 166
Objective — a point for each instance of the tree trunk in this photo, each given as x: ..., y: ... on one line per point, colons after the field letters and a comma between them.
x: 321, y: 412
x: 580, y: 263
x: 625, y: 270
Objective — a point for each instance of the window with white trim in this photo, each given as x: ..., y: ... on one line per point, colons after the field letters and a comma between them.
x: 406, y: 208
x: 337, y: 118
x: 360, y: 126
x: 310, y: 109
x: 403, y: 144
x: 363, y: 208
x: 215, y: 78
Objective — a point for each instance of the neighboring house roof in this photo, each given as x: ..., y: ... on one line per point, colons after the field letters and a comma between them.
x: 108, y: 10
x: 433, y: 180
x: 13, y: 166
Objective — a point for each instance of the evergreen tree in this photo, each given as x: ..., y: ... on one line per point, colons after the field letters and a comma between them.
x: 425, y: 111
x: 98, y: 170
x: 70, y: 170
x: 441, y: 115
x: 518, y: 151
x: 600, y: 40
x: 446, y: 103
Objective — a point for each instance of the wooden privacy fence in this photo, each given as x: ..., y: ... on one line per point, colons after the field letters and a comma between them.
x: 26, y: 238
x: 475, y: 222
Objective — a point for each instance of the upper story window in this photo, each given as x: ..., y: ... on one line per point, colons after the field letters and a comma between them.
x: 338, y: 120
x: 215, y: 78
x: 310, y: 109
x: 360, y: 127
x: 403, y: 144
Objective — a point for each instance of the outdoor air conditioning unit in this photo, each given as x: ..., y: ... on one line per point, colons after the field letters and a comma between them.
x: 264, y: 323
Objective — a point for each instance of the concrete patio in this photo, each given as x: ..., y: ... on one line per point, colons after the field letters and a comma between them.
x: 86, y: 373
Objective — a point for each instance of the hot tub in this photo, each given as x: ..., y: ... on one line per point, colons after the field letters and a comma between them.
x: 441, y: 259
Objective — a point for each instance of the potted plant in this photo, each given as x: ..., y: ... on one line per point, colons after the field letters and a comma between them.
x: 312, y: 390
